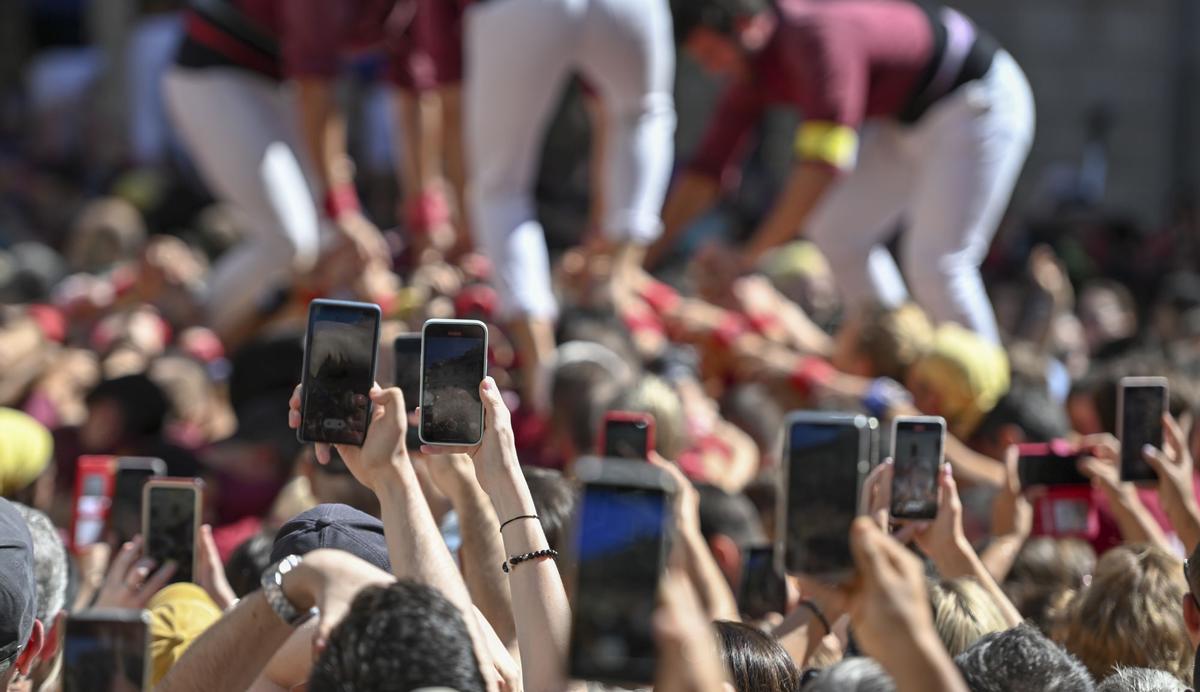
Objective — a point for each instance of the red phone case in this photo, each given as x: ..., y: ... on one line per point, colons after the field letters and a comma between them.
x: 627, y: 417
x: 89, y: 513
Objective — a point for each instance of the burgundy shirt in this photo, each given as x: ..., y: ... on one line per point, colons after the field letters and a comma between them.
x: 836, y: 62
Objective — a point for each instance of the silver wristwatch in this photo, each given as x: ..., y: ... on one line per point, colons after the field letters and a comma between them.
x: 272, y: 587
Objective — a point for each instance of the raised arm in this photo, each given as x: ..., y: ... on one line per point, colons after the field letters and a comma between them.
x: 1176, y: 472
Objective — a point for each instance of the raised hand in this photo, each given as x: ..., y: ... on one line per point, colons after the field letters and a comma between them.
x: 132, y: 579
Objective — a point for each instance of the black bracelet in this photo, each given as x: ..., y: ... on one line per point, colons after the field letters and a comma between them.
x: 817, y: 611
x: 523, y: 516
x: 518, y: 559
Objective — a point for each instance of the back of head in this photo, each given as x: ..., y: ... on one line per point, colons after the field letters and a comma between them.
x: 248, y: 562
x: 554, y: 499
x: 1141, y: 680
x: 856, y: 674
x: 50, y: 565
x: 654, y: 396
x: 726, y: 514
x: 1044, y: 576
x: 142, y: 403
x: 581, y: 392
x: 1021, y: 659
x: 107, y: 231
x: 1028, y: 408
x: 18, y: 588
x: 963, y: 612
x: 1130, y: 614
x: 398, y: 638
x: 892, y: 339
x: 757, y: 660
x: 961, y: 378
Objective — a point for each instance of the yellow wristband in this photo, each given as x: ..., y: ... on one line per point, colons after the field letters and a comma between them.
x: 828, y: 142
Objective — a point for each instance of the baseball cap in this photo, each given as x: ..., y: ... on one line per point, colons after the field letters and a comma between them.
x: 336, y: 526
x: 18, y: 591
x: 179, y: 614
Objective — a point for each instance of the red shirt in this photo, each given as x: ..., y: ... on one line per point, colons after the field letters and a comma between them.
x: 838, y: 63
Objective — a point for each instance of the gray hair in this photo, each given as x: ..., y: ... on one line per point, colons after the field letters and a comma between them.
x: 1141, y: 680
x: 852, y: 675
x: 49, y: 563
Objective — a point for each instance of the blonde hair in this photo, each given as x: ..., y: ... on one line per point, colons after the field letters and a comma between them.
x: 892, y: 339
x: 654, y: 396
x: 1130, y: 615
x: 969, y: 373
x: 963, y: 612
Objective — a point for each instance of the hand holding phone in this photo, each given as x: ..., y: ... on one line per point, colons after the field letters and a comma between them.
x: 453, y: 363
x: 171, y: 510
x: 339, y: 369
x: 917, y: 456
x: 1141, y: 403
x: 627, y: 435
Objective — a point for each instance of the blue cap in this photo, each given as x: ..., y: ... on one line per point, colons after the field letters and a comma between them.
x: 340, y: 527
x: 18, y: 591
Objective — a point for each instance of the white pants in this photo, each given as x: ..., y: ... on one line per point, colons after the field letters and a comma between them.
x: 518, y: 54
x: 240, y: 130
x: 948, y: 177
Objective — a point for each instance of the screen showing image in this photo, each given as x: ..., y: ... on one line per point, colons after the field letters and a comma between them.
x: 339, y: 358
x: 625, y: 439
x: 762, y: 590
x: 170, y: 531
x: 1141, y: 425
x: 621, y: 548
x: 822, y: 496
x: 104, y: 655
x: 408, y: 369
x: 917, y: 457
x: 450, y: 406
x: 126, y: 515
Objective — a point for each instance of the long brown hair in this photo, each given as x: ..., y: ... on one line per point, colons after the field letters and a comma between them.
x: 756, y: 660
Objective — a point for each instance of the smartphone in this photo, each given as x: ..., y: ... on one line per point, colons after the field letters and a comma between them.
x: 94, y: 479
x: 106, y: 650
x: 1141, y: 402
x: 340, y: 352
x: 627, y: 435
x: 762, y: 589
x: 620, y: 542
x: 917, y: 455
x: 453, y: 363
x: 125, y: 518
x: 171, y: 509
x: 1049, y: 464
x: 407, y: 368
x: 825, y: 462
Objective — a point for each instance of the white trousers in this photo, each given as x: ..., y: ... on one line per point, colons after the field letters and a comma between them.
x: 518, y: 54
x: 240, y: 131
x: 948, y: 178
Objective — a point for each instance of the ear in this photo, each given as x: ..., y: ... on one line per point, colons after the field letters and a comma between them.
x: 29, y: 655
x: 54, y: 637
x: 728, y: 556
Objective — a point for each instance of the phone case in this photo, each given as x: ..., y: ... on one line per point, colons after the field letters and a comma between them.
x: 421, y: 424
x: 366, y: 307
x: 626, y: 417
x: 91, y: 516
x: 1148, y: 476
x: 195, y: 484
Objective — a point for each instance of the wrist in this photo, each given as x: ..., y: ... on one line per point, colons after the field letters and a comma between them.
x: 341, y: 199
x: 298, y: 586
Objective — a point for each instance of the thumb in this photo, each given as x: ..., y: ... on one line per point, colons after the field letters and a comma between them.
x: 493, y: 402
x: 390, y: 399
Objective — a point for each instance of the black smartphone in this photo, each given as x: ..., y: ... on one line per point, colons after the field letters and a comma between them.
x: 125, y: 517
x: 171, y: 509
x: 762, y: 589
x: 825, y: 464
x: 407, y: 367
x: 453, y: 363
x: 1049, y: 463
x: 621, y: 539
x: 917, y: 443
x: 106, y: 650
x: 340, y: 352
x: 627, y: 435
x: 1141, y: 403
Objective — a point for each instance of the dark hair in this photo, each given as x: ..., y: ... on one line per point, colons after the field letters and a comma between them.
x: 1021, y: 659
x: 757, y: 660
x: 728, y: 515
x: 581, y: 392
x: 1031, y: 409
x: 554, y: 500
x: 598, y: 326
x: 144, y: 406
x: 397, y: 638
x: 248, y: 561
x: 718, y: 15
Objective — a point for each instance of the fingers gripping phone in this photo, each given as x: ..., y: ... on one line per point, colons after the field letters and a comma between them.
x: 762, y: 589
x: 94, y: 480
x: 171, y: 510
x: 406, y: 350
x: 132, y: 473
x: 917, y: 455
x: 621, y: 538
x: 340, y: 353
x: 1141, y: 403
x: 106, y: 650
x: 825, y: 462
x: 453, y: 363
x: 1049, y: 464
x: 627, y: 435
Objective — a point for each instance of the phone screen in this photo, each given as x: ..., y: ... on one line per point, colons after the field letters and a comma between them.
x: 1141, y: 425
x: 102, y: 655
x: 455, y: 362
x: 626, y: 439
x: 126, y: 516
x: 823, y: 475
x: 407, y: 348
x: 621, y: 549
x: 339, y: 369
x: 762, y: 590
x: 1048, y: 465
x: 917, y: 456
x: 93, y: 504
x: 170, y: 532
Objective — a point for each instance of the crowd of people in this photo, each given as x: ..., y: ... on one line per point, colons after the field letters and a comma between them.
x: 157, y: 309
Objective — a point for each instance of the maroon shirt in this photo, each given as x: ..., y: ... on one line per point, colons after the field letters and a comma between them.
x: 836, y: 62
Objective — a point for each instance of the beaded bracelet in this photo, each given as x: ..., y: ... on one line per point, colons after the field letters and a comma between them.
x: 518, y: 559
